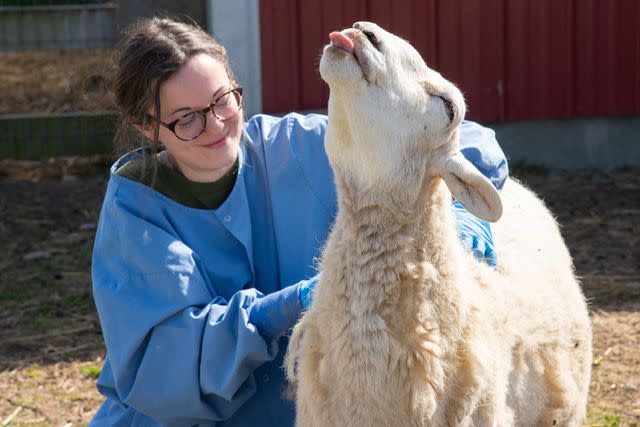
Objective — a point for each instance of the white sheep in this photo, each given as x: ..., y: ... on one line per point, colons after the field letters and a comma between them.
x: 407, y: 328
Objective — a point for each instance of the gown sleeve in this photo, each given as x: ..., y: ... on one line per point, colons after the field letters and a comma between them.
x: 478, y: 145
x: 178, y: 352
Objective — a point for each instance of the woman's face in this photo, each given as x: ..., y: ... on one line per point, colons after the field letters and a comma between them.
x: 193, y: 88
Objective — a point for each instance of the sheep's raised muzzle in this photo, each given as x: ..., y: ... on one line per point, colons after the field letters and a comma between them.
x: 347, y: 46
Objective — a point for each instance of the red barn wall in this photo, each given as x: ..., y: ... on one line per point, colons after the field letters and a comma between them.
x: 513, y: 59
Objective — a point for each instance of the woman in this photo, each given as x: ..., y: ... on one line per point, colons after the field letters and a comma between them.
x: 205, y: 250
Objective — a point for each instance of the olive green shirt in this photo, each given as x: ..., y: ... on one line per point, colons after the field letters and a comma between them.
x: 171, y: 183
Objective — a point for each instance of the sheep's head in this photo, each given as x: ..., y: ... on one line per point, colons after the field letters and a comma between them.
x: 394, y: 121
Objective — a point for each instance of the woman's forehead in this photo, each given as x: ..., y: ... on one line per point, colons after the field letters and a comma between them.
x: 194, y: 84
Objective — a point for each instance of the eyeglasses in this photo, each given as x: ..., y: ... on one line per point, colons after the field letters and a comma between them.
x: 191, y: 125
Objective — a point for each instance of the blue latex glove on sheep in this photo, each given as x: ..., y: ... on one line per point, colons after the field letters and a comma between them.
x: 307, y: 289
x: 474, y: 233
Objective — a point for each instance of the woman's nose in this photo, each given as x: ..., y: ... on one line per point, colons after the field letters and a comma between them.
x: 214, y: 124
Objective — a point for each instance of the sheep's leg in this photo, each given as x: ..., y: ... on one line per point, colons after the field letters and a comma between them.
x: 461, y: 408
x: 309, y: 404
x: 491, y: 408
x: 480, y: 399
x: 561, y: 408
x: 305, y: 417
x: 303, y: 361
x: 312, y: 405
x: 481, y: 396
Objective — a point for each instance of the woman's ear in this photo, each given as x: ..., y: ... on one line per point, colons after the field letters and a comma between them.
x: 146, y: 131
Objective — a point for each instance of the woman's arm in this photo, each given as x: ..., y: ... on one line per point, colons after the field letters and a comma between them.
x: 178, y: 352
x: 478, y: 144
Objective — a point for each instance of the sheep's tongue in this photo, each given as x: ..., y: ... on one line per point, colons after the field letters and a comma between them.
x: 341, y: 41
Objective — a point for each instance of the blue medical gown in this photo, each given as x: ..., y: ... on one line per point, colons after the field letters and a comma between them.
x: 177, y: 288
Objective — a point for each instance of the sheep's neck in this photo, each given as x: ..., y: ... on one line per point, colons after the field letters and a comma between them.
x: 387, y: 255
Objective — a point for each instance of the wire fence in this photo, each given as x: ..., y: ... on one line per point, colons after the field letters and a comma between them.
x: 39, y: 136
x: 54, y: 58
x: 23, y: 3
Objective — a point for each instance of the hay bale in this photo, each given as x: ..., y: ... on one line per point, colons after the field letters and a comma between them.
x: 37, y: 82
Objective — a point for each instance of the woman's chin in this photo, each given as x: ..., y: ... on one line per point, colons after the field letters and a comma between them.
x: 215, y: 166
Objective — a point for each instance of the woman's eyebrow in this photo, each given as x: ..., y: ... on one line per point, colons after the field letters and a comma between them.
x: 180, y: 109
x: 213, y: 97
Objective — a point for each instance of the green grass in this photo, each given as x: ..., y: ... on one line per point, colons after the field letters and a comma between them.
x: 43, y: 323
x: 34, y: 372
x: 46, y: 264
x: 13, y: 294
x: 91, y: 371
x: 612, y: 420
x: 73, y: 299
x: 599, y: 418
x: 44, y: 309
x: 38, y: 234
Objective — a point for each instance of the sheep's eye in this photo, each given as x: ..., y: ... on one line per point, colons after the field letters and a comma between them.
x: 372, y: 38
x: 450, y: 107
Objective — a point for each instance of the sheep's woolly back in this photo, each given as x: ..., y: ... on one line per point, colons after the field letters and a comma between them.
x: 406, y: 327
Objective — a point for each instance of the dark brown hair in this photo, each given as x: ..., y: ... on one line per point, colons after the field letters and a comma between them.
x: 149, y: 52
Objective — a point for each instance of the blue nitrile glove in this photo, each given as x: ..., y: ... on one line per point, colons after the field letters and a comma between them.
x: 475, y: 234
x: 306, y: 290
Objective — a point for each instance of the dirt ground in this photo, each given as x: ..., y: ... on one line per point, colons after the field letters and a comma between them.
x: 52, y: 348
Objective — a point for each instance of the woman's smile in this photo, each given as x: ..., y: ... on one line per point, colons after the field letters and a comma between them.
x: 216, y: 144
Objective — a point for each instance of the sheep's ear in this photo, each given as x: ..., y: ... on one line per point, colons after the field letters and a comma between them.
x: 472, y: 189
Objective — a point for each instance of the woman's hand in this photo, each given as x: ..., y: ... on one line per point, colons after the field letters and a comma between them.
x: 306, y: 291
